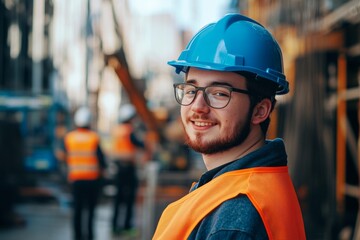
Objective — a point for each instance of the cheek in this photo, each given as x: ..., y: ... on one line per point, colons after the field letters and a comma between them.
x: 230, y: 124
x: 238, y: 111
x: 231, y: 120
x: 227, y: 122
x: 183, y: 114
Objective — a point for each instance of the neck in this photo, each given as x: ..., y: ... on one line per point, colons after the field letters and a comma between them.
x: 217, y: 159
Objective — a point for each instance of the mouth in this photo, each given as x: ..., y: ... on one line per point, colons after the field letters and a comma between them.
x: 203, y: 124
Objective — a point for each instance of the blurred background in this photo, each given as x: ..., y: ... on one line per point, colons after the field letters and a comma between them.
x: 58, y: 55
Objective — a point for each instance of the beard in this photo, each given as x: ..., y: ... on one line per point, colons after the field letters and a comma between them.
x: 235, y: 138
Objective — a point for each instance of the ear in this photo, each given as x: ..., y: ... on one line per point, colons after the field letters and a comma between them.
x: 261, y: 111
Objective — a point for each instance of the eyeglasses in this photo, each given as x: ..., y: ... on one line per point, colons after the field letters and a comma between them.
x: 215, y: 96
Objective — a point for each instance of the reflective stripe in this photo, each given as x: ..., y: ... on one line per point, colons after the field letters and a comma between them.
x: 82, y: 153
x: 83, y: 167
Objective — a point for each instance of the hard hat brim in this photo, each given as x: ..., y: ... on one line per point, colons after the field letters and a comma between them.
x: 274, y: 76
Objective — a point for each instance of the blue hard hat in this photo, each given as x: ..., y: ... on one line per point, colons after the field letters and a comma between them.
x: 235, y: 44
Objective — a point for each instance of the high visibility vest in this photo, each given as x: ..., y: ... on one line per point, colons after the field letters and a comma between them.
x: 269, y: 189
x: 123, y: 148
x: 81, y: 146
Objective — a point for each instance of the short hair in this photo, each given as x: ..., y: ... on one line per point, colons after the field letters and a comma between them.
x: 261, y: 89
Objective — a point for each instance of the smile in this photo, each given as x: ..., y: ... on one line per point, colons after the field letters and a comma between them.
x: 203, y: 124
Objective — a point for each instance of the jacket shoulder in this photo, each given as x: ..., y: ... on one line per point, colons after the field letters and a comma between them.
x: 236, y: 215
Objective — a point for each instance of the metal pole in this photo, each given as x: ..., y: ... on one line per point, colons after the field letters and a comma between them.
x: 38, y: 45
x: 357, y: 225
x: 148, y: 225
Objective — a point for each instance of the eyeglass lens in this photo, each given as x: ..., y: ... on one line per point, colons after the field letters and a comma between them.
x: 215, y: 96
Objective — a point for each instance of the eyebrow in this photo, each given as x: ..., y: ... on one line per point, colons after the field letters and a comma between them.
x: 193, y: 81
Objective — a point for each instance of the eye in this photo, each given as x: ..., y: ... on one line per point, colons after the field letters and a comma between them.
x: 219, y: 92
x: 189, y: 90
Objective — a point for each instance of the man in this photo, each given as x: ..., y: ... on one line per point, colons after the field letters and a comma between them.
x: 125, y: 147
x: 233, y: 70
x: 86, y: 163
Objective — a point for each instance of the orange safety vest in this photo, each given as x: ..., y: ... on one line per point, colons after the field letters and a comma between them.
x: 269, y: 189
x: 81, y: 146
x: 123, y: 148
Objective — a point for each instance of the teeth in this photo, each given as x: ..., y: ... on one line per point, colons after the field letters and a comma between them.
x: 202, y: 124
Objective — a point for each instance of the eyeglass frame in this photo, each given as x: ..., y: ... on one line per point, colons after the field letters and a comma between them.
x: 197, y: 89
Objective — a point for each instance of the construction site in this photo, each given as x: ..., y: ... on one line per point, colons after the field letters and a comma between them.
x: 59, y: 55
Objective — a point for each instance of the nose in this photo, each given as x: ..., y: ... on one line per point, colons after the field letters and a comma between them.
x: 199, y: 104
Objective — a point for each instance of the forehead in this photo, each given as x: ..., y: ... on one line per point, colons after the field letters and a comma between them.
x: 207, y: 77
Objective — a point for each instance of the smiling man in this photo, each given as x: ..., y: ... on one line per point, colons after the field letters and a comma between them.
x: 233, y: 71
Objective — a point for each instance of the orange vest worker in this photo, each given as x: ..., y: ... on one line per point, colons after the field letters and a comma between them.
x: 81, y: 146
x: 123, y: 148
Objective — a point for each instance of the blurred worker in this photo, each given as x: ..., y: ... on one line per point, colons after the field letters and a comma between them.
x: 233, y: 70
x: 86, y: 163
x: 124, y: 154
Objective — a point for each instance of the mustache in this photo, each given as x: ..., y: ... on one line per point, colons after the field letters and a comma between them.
x: 196, y: 116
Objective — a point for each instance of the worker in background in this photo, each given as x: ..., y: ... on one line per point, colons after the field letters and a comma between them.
x: 233, y: 70
x: 86, y: 164
x: 124, y: 153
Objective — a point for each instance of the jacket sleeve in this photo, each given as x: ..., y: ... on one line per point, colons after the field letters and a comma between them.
x: 101, y: 157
